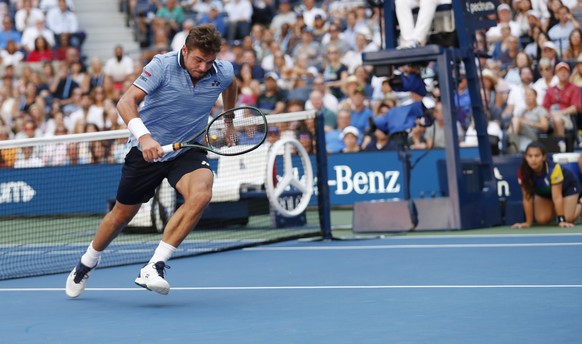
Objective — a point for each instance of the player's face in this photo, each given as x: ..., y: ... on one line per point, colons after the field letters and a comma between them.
x: 535, y: 158
x: 197, y: 63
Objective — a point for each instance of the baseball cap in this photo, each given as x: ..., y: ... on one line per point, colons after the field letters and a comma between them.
x: 503, y: 7
x: 274, y: 130
x: 562, y: 65
x: 360, y: 90
x: 350, y: 130
x: 550, y: 45
x: 272, y: 75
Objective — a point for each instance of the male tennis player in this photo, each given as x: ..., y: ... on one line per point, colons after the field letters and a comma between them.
x: 178, y: 90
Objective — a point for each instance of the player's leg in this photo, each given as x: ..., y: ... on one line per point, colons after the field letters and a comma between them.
x: 192, y: 178
x: 139, y: 180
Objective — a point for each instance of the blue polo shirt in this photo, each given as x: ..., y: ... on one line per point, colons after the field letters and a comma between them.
x: 174, y: 110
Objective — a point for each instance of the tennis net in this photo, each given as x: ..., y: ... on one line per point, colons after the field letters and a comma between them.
x: 55, y: 191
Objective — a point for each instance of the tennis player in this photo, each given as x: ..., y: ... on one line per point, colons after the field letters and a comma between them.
x: 178, y: 91
x: 548, y: 190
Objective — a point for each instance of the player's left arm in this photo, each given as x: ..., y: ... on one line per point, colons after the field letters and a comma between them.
x: 229, y: 96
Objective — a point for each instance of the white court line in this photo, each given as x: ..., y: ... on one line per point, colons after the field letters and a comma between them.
x: 385, y: 247
x: 325, y: 287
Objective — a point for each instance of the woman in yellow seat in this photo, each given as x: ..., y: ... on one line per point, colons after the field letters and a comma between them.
x: 548, y: 190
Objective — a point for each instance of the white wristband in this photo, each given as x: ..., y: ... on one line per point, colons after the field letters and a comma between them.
x: 137, y: 128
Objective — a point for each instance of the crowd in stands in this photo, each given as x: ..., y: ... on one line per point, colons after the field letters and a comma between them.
x: 290, y: 55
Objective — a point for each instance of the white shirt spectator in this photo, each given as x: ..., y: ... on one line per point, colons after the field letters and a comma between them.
x: 11, y: 59
x: 517, y: 99
x: 239, y: 10
x: 24, y: 19
x: 118, y: 70
x: 47, y: 5
x: 94, y: 116
x: 62, y: 22
x: 541, y: 87
x: 31, y: 33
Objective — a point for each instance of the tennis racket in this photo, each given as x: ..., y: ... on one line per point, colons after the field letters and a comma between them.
x: 233, y: 132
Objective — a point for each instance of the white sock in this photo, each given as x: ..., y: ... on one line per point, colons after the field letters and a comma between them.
x: 162, y: 253
x: 91, y: 257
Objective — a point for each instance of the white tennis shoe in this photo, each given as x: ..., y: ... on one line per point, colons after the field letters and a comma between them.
x: 151, y: 277
x: 77, y: 280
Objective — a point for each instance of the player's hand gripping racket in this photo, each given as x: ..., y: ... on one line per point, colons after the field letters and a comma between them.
x: 233, y: 132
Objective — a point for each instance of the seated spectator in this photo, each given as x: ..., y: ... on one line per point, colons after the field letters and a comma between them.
x: 42, y: 51
x: 379, y: 141
x: 28, y: 16
x: 435, y: 134
x: 546, y: 80
x: 240, y: 13
x: 11, y: 56
x: 560, y: 32
x: 361, y: 114
x: 47, y: 5
x: 7, y: 155
x: 306, y: 140
x: 249, y: 88
x: 576, y: 77
x: 180, y: 37
x: 143, y: 11
x: 334, y: 37
x: 574, y: 45
x: 214, y: 17
x: 30, y: 34
x: 63, y: 85
x: 28, y: 159
x: 350, y: 136
x: 415, y: 34
x: 285, y: 15
x: 531, y: 122
x: 334, y: 71
x: 63, y: 22
x: 118, y: 67
x: 333, y: 140
x: 272, y: 99
x: 8, y: 33
x: 274, y: 52
x: 563, y: 102
x: 504, y: 17
x: 171, y: 15
x: 516, y: 98
x: 329, y: 100
x: 329, y: 117
x: 100, y: 153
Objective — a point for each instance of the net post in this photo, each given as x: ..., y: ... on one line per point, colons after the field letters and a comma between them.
x: 322, y: 179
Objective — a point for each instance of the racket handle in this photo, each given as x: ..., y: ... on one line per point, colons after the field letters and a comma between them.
x: 170, y: 148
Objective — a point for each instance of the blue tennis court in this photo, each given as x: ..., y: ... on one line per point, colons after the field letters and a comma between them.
x: 401, y: 289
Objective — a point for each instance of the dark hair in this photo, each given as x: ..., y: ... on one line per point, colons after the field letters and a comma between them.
x: 204, y: 37
x: 526, y: 172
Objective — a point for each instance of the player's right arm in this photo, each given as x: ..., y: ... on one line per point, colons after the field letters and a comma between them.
x: 128, y: 109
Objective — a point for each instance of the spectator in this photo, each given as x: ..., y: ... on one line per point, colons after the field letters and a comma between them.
x: 414, y: 34
x: 7, y: 155
x: 283, y: 16
x: 531, y: 122
x: 563, y: 101
x: 100, y: 153
x: 516, y: 100
x: 88, y: 113
x: 248, y: 87
x: 361, y: 114
x: 379, y: 141
x: 334, y: 38
x: 350, y: 137
x: 329, y: 100
x: 272, y: 99
x: 333, y: 140
x: 172, y: 16
x: 28, y: 159
x: 225, y: 52
x: 11, y: 56
x: 31, y: 33
x: 546, y: 80
x: 307, y: 46
x: 8, y: 33
x: 47, y: 5
x: 269, y: 64
x: 63, y: 84
x: 550, y: 52
x: 214, y: 17
x: 118, y: 67
x: 329, y: 117
x: 334, y: 71
x: 239, y: 13
x: 55, y: 154
x: 574, y: 45
x: 42, y: 51
x: 143, y: 11
x: 28, y: 16
x: 504, y: 17
x: 435, y: 134
x: 521, y: 60
x: 576, y: 77
x: 548, y: 190
x: 73, y: 156
x: 95, y: 76
x: 309, y: 11
x: 320, y: 27
x: 364, y: 44
x: 64, y: 24
x: 560, y: 32
x: 180, y: 37
x: 306, y: 140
